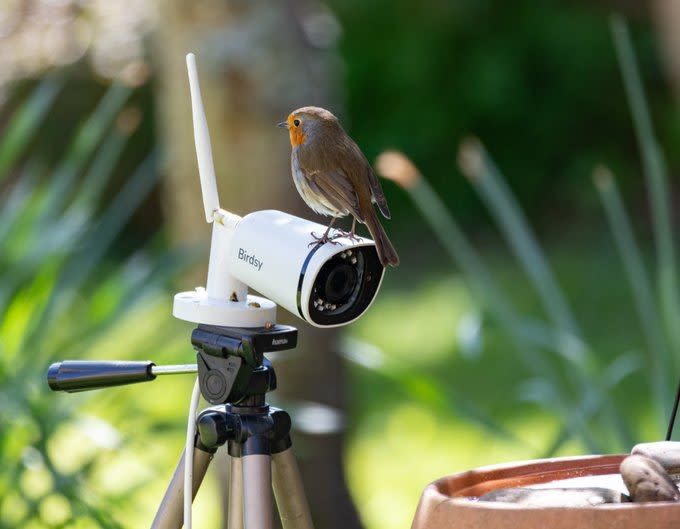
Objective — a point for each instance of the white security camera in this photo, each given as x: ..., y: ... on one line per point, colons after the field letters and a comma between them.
x: 327, y: 284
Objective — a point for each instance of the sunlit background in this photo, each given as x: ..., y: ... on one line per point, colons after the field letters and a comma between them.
x: 530, y: 152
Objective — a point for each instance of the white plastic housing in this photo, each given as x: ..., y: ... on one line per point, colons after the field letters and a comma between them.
x: 271, y: 252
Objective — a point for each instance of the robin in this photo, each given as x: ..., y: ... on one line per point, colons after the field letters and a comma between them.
x: 334, y: 178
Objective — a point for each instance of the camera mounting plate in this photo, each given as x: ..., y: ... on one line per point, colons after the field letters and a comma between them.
x: 197, y: 307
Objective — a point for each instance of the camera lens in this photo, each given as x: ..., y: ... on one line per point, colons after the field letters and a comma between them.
x: 340, y: 283
x: 345, y: 286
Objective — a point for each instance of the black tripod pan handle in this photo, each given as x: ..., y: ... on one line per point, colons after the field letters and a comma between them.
x: 84, y: 375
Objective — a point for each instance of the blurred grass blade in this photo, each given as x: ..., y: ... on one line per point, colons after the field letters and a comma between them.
x: 465, y: 257
x: 487, y: 180
x: 463, y: 254
x: 25, y: 122
x: 118, y: 212
x: 77, y: 269
x: 544, y: 336
x: 86, y: 140
x: 657, y: 352
x: 541, y: 391
x: 16, y: 199
x: 623, y: 366
x: 656, y: 174
x: 168, y: 265
x: 99, y: 173
x: 456, y: 244
x: 458, y: 247
x: 424, y: 389
x: 397, y: 167
x: 469, y: 409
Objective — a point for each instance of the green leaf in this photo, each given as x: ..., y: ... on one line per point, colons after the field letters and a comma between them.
x: 25, y: 122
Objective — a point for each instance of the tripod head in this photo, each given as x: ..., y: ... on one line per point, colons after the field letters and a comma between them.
x: 230, y: 362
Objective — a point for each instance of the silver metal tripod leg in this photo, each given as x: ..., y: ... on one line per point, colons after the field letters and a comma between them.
x: 235, y: 512
x: 170, y: 513
x: 257, y: 491
x: 290, y: 495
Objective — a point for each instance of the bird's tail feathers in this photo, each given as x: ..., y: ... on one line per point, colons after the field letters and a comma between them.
x: 386, y: 252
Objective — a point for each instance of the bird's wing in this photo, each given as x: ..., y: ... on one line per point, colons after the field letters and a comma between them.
x: 335, y: 187
x: 353, y: 150
x: 326, y: 175
x: 378, y: 194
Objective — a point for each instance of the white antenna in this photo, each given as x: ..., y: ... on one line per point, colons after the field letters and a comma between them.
x: 206, y: 169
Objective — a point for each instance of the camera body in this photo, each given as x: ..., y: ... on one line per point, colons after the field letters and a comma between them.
x: 327, y: 284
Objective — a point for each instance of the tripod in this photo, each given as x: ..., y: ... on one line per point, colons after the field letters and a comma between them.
x: 234, y: 376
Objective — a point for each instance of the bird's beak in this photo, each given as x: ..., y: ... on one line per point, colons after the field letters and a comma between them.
x: 282, y: 125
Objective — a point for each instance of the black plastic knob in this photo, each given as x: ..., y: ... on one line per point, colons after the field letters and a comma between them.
x: 82, y: 375
x: 216, y: 428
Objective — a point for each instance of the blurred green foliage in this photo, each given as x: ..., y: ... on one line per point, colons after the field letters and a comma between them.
x: 537, y: 81
x: 65, y: 293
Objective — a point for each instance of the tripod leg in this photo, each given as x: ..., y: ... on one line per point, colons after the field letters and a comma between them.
x: 290, y: 495
x: 257, y: 491
x: 235, y: 512
x: 170, y: 513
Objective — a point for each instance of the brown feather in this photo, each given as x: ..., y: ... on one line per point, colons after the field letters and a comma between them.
x: 386, y: 252
x: 378, y: 195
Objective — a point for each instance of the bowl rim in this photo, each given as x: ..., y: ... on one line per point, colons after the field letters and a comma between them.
x: 463, y: 487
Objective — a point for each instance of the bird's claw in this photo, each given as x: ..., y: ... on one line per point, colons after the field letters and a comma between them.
x: 323, y: 239
x: 347, y: 235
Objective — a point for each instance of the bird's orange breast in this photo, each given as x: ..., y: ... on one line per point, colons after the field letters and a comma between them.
x: 296, y: 137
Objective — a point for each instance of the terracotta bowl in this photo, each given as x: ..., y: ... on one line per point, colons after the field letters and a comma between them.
x: 447, y: 503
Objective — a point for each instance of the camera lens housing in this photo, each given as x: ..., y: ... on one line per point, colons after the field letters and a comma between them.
x: 345, y: 286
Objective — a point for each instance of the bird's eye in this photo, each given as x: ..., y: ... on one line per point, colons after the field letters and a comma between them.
x: 296, y: 122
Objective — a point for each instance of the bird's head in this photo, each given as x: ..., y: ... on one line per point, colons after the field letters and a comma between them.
x: 306, y: 123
